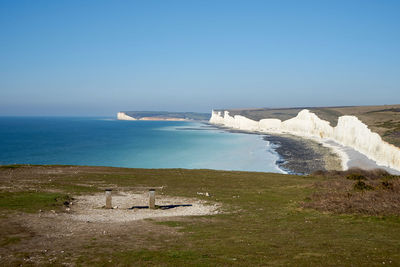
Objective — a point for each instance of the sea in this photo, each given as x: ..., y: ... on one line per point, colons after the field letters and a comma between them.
x: 133, y: 144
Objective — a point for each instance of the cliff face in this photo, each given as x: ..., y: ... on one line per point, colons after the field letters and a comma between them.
x: 349, y: 131
x: 123, y: 116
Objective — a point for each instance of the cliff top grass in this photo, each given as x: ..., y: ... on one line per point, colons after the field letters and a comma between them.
x: 384, y: 120
x: 263, y: 221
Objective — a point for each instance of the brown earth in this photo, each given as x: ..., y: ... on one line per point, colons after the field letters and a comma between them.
x: 48, y: 238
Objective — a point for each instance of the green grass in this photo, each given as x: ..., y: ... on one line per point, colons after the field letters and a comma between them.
x: 70, y: 188
x: 263, y: 223
x: 9, y: 240
x: 14, y: 166
x: 31, y: 201
x: 170, y: 223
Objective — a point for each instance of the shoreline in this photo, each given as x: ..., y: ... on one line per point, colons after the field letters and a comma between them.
x: 355, y: 159
x: 298, y: 155
x: 349, y: 131
x: 304, y: 155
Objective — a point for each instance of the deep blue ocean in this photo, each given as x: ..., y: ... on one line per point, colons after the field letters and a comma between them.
x: 136, y: 144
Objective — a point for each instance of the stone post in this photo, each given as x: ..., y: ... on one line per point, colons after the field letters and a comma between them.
x: 152, y: 199
x: 108, y: 199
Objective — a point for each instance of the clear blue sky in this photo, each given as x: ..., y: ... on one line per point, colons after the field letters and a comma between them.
x: 99, y: 57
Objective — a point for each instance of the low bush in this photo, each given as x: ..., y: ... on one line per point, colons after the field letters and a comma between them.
x: 355, y: 176
x: 374, y: 192
x: 360, y: 185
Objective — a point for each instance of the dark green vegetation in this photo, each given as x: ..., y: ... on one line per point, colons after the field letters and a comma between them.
x: 264, y: 222
x: 31, y: 201
x: 384, y: 120
x: 166, y: 114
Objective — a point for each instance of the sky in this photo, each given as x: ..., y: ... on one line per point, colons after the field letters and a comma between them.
x: 95, y: 58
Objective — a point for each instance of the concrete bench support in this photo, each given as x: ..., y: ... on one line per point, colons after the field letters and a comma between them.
x: 152, y: 199
x: 108, y: 199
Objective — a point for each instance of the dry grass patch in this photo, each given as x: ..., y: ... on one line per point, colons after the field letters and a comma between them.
x: 372, y: 192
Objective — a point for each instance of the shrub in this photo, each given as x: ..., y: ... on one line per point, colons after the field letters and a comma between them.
x: 361, y: 186
x: 387, y: 185
x: 356, y: 176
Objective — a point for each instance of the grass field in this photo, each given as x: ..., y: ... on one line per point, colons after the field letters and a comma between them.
x: 262, y: 222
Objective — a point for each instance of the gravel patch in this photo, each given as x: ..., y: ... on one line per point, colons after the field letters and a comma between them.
x: 303, y: 156
x: 91, y: 208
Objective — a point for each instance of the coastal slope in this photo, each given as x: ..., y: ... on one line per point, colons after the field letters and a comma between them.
x: 349, y: 131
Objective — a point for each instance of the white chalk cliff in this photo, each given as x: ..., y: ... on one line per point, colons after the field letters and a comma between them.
x: 350, y: 131
x: 123, y: 116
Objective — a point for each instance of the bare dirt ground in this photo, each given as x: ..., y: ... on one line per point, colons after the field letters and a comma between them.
x: 51, y: 237
x: 55, y: 237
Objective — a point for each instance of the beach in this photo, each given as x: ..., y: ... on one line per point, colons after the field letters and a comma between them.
x: 305, y: 155
x: 354, y: 159
x: 350, y: 139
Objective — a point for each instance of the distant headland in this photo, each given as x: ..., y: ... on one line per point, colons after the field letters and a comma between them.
x: 162, y: 116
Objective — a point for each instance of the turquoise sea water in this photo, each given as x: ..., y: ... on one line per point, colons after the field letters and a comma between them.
x: 136, y: 144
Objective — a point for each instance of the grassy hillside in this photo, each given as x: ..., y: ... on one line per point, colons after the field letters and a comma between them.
x: 263, y: 221
x: 384, y: 120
